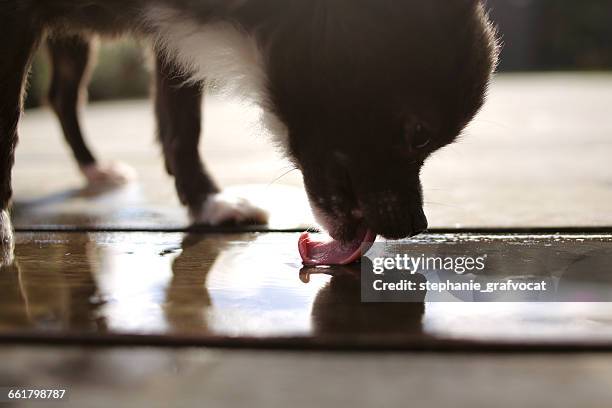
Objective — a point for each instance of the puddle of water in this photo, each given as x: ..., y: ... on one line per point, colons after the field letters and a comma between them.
x: 253, y: 285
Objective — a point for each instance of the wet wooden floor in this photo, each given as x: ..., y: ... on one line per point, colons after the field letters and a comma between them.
x: 251, y: 290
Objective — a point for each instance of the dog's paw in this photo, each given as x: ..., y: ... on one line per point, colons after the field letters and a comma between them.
x: 7, y: 240
x: 221, y: 209
x: 112, y: 174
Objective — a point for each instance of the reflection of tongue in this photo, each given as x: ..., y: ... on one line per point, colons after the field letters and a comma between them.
x: 332, y: 252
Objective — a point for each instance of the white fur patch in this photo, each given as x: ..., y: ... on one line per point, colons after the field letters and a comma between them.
x: 221, y: 209
x: 226, y: 58
x: 7, y: 242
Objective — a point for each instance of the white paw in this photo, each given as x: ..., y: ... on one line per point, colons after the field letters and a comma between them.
x: 7, y: 242
x: 111, y: 174
x: 222, y: 209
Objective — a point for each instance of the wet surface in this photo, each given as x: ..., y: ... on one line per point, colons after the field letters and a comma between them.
x: 251, y: 289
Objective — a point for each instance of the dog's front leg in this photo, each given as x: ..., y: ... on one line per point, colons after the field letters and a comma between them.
x: 16, y: 51
x: 178, y: 105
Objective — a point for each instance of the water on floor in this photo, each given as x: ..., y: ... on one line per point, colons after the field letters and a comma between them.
x: 253, y: 286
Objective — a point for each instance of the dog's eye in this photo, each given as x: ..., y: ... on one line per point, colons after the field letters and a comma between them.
x: 419, y: 137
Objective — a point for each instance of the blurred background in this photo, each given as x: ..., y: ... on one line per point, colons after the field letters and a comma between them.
x: 538, y: 35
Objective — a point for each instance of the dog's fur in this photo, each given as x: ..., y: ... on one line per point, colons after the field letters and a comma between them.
x: 359, y: 92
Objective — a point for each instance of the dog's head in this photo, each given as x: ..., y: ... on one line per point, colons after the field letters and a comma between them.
x: 368, y: 90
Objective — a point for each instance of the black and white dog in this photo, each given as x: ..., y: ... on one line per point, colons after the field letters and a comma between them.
x: 358, y: 92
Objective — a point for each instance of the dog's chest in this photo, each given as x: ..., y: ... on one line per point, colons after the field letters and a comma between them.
x: 218, y: 53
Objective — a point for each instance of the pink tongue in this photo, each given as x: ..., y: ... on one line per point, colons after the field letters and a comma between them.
x: 330, y: 252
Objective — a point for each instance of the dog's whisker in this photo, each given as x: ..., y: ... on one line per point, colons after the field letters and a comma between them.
x: 285, y: 174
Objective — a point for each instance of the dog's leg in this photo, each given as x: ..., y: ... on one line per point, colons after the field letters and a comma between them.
x: 179, y: 116
x: 71, y: 60
x: 17, y: 48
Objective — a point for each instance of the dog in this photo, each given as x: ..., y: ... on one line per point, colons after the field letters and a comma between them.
x: 358, y: 93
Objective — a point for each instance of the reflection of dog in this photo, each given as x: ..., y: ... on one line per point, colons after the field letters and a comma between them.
x: 339, y: 310
x: 360, y: 92
x: 187, y: 297
x: 70, y: 295
x: 62, y: 295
